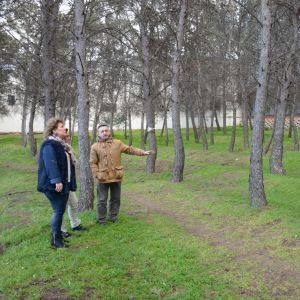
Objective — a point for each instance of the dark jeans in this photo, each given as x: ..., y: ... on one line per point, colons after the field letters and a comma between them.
x: 58, y: 203
x: 114, y: 203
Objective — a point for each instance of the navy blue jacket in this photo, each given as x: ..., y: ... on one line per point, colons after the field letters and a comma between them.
x: 53, y: 168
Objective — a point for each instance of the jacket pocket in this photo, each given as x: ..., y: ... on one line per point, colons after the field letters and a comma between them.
x: 119, y: 172
x: 102, y: 175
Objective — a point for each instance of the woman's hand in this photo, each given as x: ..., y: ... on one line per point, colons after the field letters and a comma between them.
x: 59, y: 187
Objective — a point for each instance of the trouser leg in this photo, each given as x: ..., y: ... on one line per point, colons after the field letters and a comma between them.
x: 102, y: 193
x: 115, y: 200
x: 73, y: 210
x: 58, y: 203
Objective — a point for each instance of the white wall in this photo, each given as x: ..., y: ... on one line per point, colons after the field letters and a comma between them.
x: 12, y: 123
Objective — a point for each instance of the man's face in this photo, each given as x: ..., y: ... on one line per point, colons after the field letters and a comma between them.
x: 104, y: 132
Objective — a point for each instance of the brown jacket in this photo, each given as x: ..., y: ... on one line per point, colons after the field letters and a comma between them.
x: 105, y: 159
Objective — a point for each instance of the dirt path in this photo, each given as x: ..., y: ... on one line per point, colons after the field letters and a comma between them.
x: 281, y: 278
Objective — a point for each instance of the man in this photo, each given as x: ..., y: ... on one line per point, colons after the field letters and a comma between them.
x: 105, y: 162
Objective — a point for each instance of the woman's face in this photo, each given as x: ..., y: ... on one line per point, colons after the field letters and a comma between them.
x: 60, y: 131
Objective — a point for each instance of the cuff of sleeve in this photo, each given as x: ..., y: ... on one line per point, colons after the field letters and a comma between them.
x: 55, y: 180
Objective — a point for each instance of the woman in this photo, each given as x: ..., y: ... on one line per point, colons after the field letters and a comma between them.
x: 56, y: 175
x: 72, y: 200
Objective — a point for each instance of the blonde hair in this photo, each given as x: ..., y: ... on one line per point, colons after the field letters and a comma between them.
x: 51, y: 125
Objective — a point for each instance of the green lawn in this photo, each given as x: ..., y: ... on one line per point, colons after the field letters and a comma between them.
x: 198, y: 239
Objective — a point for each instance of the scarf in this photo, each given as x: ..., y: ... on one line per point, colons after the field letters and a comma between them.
x: 66, y: 146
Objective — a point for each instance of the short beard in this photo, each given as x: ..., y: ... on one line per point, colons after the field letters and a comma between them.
x: 104, y: 138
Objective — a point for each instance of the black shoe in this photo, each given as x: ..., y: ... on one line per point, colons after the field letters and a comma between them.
x: 65, y: 234
x: 116, y: 221
x: 79, y: 228
x: 57, y: 242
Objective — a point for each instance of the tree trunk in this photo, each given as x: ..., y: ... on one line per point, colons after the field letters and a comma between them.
x: 163, y: 127
x: 245, y: 121
x: 129, y: 127
x: 187, y: 124
x: 125, y: 128
x: 272, y: 135
x: 250, y: 122
x: 196, y: 136
x: 112, y: 116
x: 256, y: 180
x: 224, y: 105
x: 276, y: 165
x: 290, y: 124
x: 212, y: 114
x: 293, y: 125
x: 96, y: 117
x: 33, y: 145
x: 233, y: 132
x: 70, y: 123
x: 86, y: 179
x: 24, y: 115
x: 150, y: 117
x: 50, y: 10
x: 142, y: 131
x: 217, y: 120
x: 178, y: 143
x: 74, y: 122
x: 167, y: 132
x: 202, y: 127
x: 204, y: 122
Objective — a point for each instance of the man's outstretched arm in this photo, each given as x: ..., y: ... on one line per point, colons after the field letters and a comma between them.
x: 135, y: 151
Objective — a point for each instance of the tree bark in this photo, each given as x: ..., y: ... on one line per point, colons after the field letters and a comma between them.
x: 267, y: 148
x: 178, y: 143
x: 167, y: 132
x: 142, y: 131
x: 245, y: 118
x: 233, y: 132
x: 224, y: 105
x: 86, y: 179
x: 293, y: 125
x: 256, y: 180
x: 217, y: 120
x: 150, y: 117
x: 50, y: 10
x: 33, y: 145
x: 196, y: 136
x: 129, y: 127
x: 276, y: 164
x: 97, y: 115
x: 212, y: 114
x: 202, y: 127
x: 24, y: 114
x: 187, y: 124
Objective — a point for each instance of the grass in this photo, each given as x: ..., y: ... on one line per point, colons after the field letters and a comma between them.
x: 198, y: 239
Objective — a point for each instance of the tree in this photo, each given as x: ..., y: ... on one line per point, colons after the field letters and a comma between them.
x: 147, y: 87
x: 86, y: 179
x: 256, y: 180
x: 178, y: 165
x: 49, y: 12
x: 276, y: 165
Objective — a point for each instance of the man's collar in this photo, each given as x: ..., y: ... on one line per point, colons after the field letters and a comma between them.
x: 109, y: 140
